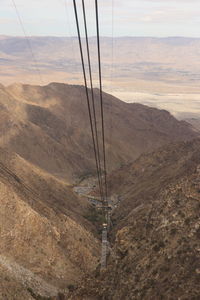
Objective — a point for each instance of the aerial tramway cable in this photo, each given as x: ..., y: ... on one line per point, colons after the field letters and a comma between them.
x: 111, y: 79
x: 94, y: 131
x: 101, y: 101
x: 105, y: 230
x: 92, y: 94
x: 87, y: 95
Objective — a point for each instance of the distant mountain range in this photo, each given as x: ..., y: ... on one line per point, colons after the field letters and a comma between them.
x: 158, y: 72
x: 129, y: 63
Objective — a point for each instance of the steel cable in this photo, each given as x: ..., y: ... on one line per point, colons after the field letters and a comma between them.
x: 87, y: 95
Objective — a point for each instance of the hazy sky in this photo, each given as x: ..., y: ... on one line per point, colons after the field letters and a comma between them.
x: 130, y: 17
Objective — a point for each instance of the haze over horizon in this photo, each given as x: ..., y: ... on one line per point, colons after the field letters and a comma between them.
x: 154, y: 71
x: 135, y: 80
x: 105, y: 36
x: 157, y: 18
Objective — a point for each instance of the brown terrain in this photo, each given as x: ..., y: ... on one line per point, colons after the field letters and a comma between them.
x: 155, y: 244
x: 48, y: 243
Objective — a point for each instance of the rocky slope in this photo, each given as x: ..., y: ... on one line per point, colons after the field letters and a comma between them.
x: 149, y: 174
x: 46, y: 243
x: 155, y: 243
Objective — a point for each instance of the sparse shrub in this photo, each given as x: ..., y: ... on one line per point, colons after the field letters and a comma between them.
x: 137, y: 278
x: 180, y: 251
x: 151, y: 282
x: 6, y: 278
x: 177, y: 202
x: 154, y: 272
x: 158, y: 246
x: 149, y: 225
x: 71, y: 287
x: 187, y: 221
x: 181, y: 214
x: 37, y: 297
x: 147, y: 266
x: 128, y: 269
x: 143, y: 293
x: 164, y: 268
x: 61, y: 296
x: 173, y: 231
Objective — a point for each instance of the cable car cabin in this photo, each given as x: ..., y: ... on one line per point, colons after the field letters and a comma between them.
x: 105, y: 225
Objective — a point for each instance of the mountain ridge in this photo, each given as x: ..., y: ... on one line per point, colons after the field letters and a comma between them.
x: 55, y: 115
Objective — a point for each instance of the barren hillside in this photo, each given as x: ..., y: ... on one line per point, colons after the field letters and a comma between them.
x: 155, y: 239
x: 46, y: 243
